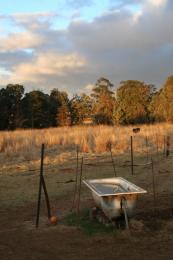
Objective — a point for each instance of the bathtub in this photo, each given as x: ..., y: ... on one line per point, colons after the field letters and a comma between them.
x: 113, y: 194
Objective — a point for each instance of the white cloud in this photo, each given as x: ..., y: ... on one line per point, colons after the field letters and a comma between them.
x: 157, y: 3
x: 46, y: 65
x: 88, y: 88
x: 118, y: 45
x: 17, y: 41
x: 34, y: 21
x: 137, y: 15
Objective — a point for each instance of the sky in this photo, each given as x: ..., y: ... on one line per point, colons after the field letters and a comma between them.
x: 70, y: 44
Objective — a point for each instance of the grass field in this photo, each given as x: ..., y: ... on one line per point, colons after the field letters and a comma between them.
x: 20, y: 156
x: 21, y: 149
x: 19, y: 179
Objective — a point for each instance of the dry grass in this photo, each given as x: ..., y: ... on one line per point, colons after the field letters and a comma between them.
x: 90, y: 138
x: 24, y: 145
x: 20, y: 155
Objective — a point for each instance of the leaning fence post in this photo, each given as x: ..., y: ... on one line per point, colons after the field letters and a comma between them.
x: 40, y: 186
x: 131, y: 149
x: 46, y: 197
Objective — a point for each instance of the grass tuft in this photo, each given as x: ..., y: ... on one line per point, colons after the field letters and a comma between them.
x: 88, y: 226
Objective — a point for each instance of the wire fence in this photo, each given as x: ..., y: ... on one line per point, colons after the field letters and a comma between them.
x: 143, y: 147
x: 159, y: 152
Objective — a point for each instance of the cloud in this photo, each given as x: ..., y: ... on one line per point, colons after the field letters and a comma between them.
x: 34, y: 21
x: 119, y: 44
x: 10, y: 59
x: 157, y: 2
x: 88, y: 88
x: 17, y: 41
x: 122, y: 4
x: 46, y: 65
x: 117, y: 30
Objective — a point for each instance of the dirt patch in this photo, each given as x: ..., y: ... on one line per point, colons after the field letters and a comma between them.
x: 20, y: 239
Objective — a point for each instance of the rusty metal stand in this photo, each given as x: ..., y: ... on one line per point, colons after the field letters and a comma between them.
x: 42, y: 184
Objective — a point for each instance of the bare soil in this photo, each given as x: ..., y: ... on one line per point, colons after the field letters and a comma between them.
x: 150, y: 235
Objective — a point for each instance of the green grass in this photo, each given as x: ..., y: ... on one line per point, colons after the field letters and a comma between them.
x: 88, y: 226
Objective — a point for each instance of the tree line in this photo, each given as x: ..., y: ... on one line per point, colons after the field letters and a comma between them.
x: 133, y: 102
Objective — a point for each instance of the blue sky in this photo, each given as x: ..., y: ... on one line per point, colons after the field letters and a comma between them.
x: 10, y: 6
x: 69, y: 44
x: 86, y: 10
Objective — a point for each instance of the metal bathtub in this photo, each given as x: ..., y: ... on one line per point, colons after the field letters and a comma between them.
x: 110, y: 194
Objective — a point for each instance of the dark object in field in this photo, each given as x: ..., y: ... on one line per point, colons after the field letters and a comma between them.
x: 69, y: 181
x: 136, y: 130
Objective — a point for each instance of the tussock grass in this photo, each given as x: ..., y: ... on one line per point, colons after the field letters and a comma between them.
x: 23, y: 145
x: 20, y: 160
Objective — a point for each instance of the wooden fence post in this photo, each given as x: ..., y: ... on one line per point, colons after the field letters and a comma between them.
x: 167, y: 146
x: 164, y: 145
x: 146, y: 141
x: 157, y: 146
x: 153, y: 183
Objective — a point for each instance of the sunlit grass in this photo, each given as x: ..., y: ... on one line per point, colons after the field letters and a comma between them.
x: 24, y: 145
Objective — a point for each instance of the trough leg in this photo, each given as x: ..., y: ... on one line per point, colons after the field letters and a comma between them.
x: 125, y: 212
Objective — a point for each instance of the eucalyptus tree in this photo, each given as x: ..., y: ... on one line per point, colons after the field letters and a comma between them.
x: 59, y: 104
x: 132, y: 102
x: 162, y: 103
x: 81, y: 108
x: 103, y: 101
